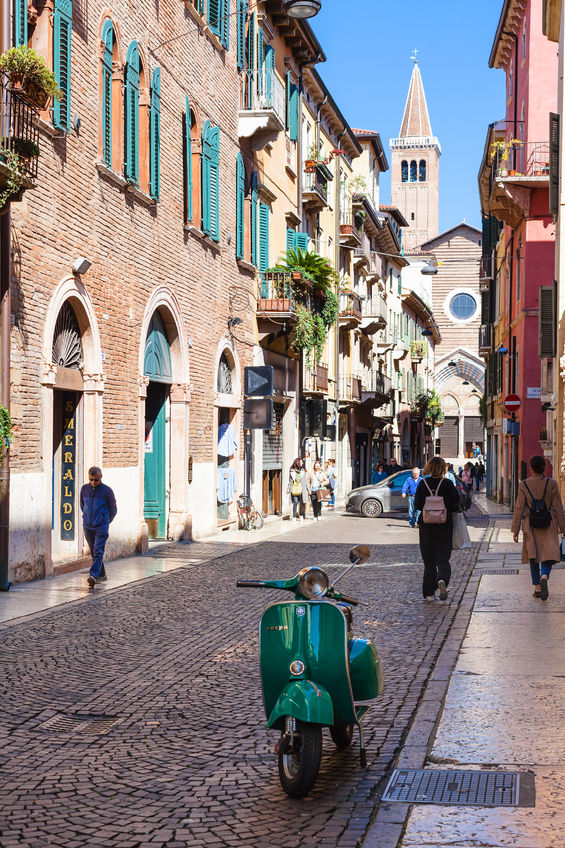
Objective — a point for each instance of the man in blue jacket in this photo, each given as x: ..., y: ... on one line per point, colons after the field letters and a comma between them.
x: 409, y: 490
x: 98, y: 506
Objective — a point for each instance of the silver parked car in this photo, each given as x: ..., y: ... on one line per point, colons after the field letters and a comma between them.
x: 386, y: 496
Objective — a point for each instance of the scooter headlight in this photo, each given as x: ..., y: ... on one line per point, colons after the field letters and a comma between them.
x: 313, y: 583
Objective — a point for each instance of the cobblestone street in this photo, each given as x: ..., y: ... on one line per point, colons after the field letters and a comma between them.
x: 173, y: 660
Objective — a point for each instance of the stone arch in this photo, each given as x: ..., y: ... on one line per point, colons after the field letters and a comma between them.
x: 449, y: 404
x: 164, y: 301
x: 72, y: 291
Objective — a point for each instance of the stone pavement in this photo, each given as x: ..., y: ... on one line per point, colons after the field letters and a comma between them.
x: 503, y: 710
x: 132, y: 716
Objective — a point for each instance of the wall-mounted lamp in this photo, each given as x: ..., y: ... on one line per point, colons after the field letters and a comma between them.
x: 427, y: 332
x: 301, y: 8
x: 547, y: 407
x: 81, y: 265
x: 233, y: 322
x: 428, y: 269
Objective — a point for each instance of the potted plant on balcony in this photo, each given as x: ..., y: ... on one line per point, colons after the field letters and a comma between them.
x: 16, y: 176
x: 312, y: 159
x: 29, y: 76
x: 418, y: 350
x: 500, y: 151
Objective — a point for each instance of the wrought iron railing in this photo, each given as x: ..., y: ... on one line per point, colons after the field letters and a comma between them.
x: 486, y: 268
x: 349, y: 305
x: 530, y: 159
x: 315, y: 181
x: 18, y: 132
x: 262, y: 89
x: 485, y: 338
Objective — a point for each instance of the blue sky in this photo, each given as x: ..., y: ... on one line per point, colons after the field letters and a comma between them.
x: 368, y: 71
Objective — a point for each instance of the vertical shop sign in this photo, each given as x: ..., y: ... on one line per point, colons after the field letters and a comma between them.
x: 68, y: 467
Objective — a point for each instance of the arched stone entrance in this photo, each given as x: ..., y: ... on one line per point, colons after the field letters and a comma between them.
x: 73, y: 385
x: 228, y: 449
x: 164, y: 460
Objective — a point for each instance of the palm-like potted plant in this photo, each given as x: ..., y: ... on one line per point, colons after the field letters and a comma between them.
x: 29, y: 76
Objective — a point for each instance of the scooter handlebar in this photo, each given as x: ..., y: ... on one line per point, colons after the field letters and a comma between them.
x: 250, y: 584
x: 349, y: 600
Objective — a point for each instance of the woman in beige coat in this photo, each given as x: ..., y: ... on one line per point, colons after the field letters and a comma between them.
x: 540, y: 544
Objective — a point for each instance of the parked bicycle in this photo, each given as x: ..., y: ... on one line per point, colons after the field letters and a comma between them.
x: 249, y: 517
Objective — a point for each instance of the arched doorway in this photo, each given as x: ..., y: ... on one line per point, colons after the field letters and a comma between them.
x: 227, y: 441
x: 157, y: 369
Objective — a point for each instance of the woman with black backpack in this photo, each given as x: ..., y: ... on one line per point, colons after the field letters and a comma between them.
x: 539, y: 511
x: 438, y: 499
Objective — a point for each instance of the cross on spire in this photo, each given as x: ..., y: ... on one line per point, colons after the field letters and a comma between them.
x: 414, y: 56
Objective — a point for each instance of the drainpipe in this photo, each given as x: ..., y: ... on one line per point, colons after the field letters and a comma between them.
x: 511, y: 35
x: 5, y: 311
x: 336, y: 264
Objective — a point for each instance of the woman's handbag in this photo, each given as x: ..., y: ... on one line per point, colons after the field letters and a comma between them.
x: 296, y: 488
x: 461, y: 538
x: 323, y: 494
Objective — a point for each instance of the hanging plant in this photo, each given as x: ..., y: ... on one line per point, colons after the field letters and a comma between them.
x: 17, y: 175
x: 5, y: 430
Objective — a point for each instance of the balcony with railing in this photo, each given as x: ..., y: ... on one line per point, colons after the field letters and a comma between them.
x: 315, y: 189
x: 362, y: 253
x: 316, y: 379
x: 350, y: 231
x: 350, y: 388
x: 19, y: 146
x: 350, y: 314
x: 374, y: 315
x: 262, y: 106
x: 486, y: 269
x: 275, y: 297
x: 376, y: 388
x: 516, y: 169
x: 486, y: 337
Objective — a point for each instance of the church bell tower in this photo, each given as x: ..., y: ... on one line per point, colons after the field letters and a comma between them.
x: 415, y: 168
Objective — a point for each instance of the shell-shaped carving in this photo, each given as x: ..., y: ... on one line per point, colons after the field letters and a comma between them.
x: 67, y: 345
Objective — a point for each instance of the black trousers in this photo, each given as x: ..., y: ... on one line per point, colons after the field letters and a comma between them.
x: 316, y: 505
x: 435, y: 547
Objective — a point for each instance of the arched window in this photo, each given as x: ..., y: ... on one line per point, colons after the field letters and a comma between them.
x: 108, y: 46
x: 422, y: 171
x: 404, y: 170
x: 413, y: 171
x: 211, y: 180
x: 155, y: 135
x: 131, y: 109
x: 225, y: 384
x: 240, y: 208
x: 67, y: 343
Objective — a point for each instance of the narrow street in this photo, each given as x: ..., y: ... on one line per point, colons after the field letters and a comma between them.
x: 171, y: 664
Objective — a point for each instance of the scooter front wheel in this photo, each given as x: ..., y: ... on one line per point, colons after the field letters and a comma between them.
x: 299, y: 759
x: 342, y: 734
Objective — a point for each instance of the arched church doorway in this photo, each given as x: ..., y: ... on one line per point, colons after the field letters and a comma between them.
x: 157, y: 368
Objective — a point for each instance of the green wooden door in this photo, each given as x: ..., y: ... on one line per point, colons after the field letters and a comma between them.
x: 157, y: 367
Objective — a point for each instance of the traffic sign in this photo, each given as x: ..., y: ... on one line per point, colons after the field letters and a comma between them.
x: 258, y: 380
x: 512, y: 403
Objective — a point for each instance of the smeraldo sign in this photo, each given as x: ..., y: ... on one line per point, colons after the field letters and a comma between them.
x: 512, y: 403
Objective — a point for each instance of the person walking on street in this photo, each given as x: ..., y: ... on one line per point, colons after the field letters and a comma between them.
x: 378, y: 474
x: 539, y: 511
x: 316, y: 480
x: 450, y: 473
x: 298, y: 489
x: 436, y: 539
x: 408, y: 491
x: 332, y: 478
x: 98, y: 506
x: 467, y: 477
x: 392, y: 467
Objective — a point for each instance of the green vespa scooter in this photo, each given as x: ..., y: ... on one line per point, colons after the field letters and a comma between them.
x: 314, y: 673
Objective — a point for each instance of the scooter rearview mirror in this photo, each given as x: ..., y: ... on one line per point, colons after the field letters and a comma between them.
x: 360, y: 553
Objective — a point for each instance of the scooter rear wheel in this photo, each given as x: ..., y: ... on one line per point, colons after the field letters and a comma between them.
x: 299, y: 767
x: 342, y: 734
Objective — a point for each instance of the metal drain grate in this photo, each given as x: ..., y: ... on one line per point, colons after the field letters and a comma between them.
x: 464, y: 788
x: 91, y: 725
x: 499, y: 570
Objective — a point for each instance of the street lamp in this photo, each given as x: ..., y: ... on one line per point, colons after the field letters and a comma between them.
x: 428, y: 269
x: 301, y: 8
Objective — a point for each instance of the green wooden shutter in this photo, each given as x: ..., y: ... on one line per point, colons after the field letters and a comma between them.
x: 240, y: 208
x: 251, y: 42
x: 106, y: 105
x: 260, y: 61
x: 242, y: 6
x: 546, y: 322
x: 225, y: 24
x: 554, y: 134
x: 269, y: 73
x: 288, y: 91
x: 254, y: 218
x: 293, y: 131
x: 20, y: 23
x: 155, y: 135
x: 290, y: 238
x: 131, y: 114
x: 62, y: 26
x: 301, y: 241
x: 211, y: 180
x: 214, y: 23
x: 187, y: 165
x: 263, y: 236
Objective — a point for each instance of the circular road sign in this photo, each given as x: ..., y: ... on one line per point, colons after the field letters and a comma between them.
x: 512, y: 403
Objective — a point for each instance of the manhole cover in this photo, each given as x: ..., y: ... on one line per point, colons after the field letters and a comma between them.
x: 91, y: 725
x: 500, y: 571
x: 464, y: 788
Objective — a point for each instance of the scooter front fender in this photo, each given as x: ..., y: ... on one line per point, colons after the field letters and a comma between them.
x: 305, y: 701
